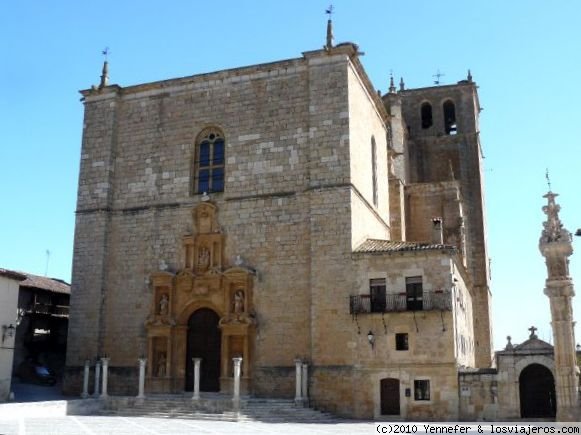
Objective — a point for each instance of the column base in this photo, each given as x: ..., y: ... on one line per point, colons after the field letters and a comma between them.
x: 568, y: 414
x: 227, y: 386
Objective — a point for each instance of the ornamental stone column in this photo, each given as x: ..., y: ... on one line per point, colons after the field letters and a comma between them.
x: 305, y: 380
x: 298, y: 383
x: 97, y: 378
x: 142, y: 364
x: 236, y: 398
x: 85, y: 392
x: 197, y: 362
x: 555, y: 245
x: 105, y: 362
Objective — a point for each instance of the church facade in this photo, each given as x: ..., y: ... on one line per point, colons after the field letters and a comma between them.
x: 282, y: 212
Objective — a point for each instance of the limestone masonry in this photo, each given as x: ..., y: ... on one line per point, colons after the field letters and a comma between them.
x: 281, y: 212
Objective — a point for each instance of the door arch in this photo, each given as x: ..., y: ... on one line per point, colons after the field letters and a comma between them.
x: 389, y: 396
x: 537, y: 392
x: 204, y: 341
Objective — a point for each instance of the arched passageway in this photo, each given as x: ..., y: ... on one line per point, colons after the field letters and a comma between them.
x: 537, y: 392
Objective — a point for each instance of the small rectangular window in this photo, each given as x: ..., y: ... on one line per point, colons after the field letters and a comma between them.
x: 401, y: 341
x: 422, y: 389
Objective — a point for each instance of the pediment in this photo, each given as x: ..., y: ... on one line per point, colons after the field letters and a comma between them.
x: 534, y: 344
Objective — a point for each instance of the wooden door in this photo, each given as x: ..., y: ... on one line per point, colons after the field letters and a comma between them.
x: 390, y: 396
x: 204, y: 341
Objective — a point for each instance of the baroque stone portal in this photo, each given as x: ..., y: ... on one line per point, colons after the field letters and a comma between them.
x: 204, y: 283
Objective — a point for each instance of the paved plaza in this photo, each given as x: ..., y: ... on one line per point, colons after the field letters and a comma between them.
x: 79, y: 425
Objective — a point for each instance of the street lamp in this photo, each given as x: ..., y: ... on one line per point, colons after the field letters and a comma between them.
x: 371, y: 339
x: 7, y: 331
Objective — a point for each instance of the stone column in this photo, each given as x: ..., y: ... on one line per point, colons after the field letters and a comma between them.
x: 555, y: 245
x: 305, y: 386
x: 85, y: 392
x: 237, y: 363
x: 298, y: 383
x: 197, y: 362
x: 97, y: 378
x: 105, y: 362
x: 142, y: 363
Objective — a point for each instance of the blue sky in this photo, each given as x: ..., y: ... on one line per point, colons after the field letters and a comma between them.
x: 524, y: 55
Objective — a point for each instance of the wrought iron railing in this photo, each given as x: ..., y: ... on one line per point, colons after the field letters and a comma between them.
x: 439, y: 300
x: 54, y: 310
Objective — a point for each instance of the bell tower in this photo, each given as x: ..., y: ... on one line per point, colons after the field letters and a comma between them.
x: 555, y: 245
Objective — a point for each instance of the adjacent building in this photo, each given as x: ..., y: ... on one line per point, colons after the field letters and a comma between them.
x: 9, y: 282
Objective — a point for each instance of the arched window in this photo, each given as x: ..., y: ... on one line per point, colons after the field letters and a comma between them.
x: 209, y: 161
x: 426, y: 112
x: 374, y: 170
x: 450, y: 117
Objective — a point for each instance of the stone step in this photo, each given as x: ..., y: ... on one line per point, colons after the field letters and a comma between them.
x: 251, y: 409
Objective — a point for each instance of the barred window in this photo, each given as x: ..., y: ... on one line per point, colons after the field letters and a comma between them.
x: 421, y: 389
x: 209, y: 162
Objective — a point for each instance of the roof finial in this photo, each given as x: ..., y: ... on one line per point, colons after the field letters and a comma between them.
x: 391, y: 84
x: 548, y: 179
x: 330, y: 39
x: 469, y: 76
x: 105, y: 72
x: 401, y: 84
x: 438, y: 76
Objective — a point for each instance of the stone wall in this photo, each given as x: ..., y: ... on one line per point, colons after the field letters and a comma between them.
x: 436, y: 156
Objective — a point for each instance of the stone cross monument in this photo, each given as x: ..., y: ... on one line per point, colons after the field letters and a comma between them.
x: 555, y: 246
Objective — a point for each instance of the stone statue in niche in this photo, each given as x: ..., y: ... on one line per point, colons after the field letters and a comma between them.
x: 161, y: 363
x: 203, y: 258
x: 238, y: 302
x: 163, y: 305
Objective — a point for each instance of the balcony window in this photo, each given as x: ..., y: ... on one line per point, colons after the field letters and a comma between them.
x: 414, y: 293
x: 377, y: 293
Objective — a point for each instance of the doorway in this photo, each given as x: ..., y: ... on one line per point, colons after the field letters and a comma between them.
x: 389, y: 396
x: 204, y: 341
x: 537, y: 392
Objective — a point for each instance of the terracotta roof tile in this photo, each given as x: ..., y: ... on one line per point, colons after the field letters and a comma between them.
x: 11, y: 274
x: 375, y: 245
x: 42, y: 282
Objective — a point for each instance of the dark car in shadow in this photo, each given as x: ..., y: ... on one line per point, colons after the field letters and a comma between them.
x: 36, y: 373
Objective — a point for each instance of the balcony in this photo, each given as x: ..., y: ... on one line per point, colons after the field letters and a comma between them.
x: 438, y: 300
x: 51, y: 310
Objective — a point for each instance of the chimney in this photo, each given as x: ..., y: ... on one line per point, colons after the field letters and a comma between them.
x: 437, y: 231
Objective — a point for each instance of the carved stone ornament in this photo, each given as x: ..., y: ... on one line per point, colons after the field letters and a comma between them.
x: 201, y: 290
x: 553, y: 230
